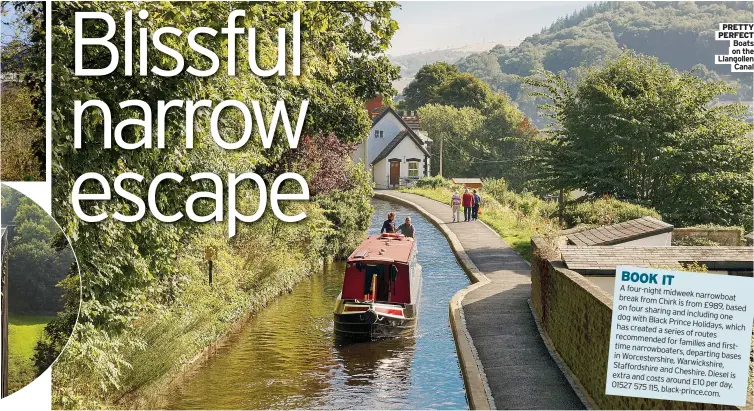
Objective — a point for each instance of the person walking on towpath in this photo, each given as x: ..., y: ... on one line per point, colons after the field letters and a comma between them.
x: 477, y: 203
x: 455, y: 205
x: 407, y: 228
x: 468, y: 204
x: 388, y: 226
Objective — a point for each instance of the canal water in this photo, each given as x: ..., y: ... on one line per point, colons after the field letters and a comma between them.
x: 286, y: 356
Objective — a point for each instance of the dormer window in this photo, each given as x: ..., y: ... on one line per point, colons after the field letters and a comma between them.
x: 378, y: 133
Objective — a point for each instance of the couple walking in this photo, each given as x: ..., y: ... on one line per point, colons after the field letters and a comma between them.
x: 470, y: 202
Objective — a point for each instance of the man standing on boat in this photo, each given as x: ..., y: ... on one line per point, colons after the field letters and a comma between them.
x: 455, y: 204
x: 468, y: 204
x: 407, y: 228
x: 388, y: 226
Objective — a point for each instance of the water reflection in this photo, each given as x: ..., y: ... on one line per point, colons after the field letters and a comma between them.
x: 287, y: 356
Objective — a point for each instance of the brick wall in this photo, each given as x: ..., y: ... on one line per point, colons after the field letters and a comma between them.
x: 722, y: 236
x: 576, y: 315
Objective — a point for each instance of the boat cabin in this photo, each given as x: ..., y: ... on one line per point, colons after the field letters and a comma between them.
x: 382, y: 269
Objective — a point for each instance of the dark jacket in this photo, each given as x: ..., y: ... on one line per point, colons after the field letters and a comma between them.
x: 407, y: 230
x: 477, y: 200
x: 388, y: 227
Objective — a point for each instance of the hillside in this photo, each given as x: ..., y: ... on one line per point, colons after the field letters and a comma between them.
x: 411, y: 63
x: 679, y: 34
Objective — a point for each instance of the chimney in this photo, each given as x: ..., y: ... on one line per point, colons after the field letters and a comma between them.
x: 373, y: 105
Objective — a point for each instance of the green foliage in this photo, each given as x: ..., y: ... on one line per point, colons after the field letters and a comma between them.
x: 451, y: 128
x: 21, y: 122
x: 695, y: 241
x: 693, y: 267
x: 525, y: 203
x: 515, y: 226
x: 605, y: 211
x: 131, y: 272
x: 496, y: 187
x: 491, y: 139
x: 443, y: 83
x: 411, y: 63
x: 434, y: 182
x: 464, y: 90
x: 427, y: 85
x: 349, y: 213
x: 20, y: 134
x: 680, y: 34
x: 35, y: 264
x: 481, y: 133
x: 23, y: 333
x: 640, y: 131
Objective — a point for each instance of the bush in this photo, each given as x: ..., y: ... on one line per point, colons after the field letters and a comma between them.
x: 496, y: 188
x: 433, y: 182
x: 526, y: 203
x: 695, y: 241
x: 606, y: 212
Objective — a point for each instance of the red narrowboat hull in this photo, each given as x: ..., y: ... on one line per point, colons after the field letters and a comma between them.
x: 366, y: 320
x: 381, y: 290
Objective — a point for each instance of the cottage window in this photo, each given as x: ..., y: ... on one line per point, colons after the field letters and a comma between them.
x: 413, y: 169
x: 378, y: 133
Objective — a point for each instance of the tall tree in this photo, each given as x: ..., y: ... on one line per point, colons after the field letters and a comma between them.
x: 427, y: 84
x: 129, y: 268
x: 22, y: 113
x: 35, y: 264
x: 451, y: 129
x: 464, y: 90
x: 641, y: 131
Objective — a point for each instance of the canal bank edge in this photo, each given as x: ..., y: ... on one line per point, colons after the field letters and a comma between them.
x: 478, y: 391
x: 152, y: 395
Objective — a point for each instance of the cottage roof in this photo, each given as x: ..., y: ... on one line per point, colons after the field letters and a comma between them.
x: 397, y: 140
x: 604, y: 259
x: 422, y: 136
x: 620, y: 233
x: 413, y: 122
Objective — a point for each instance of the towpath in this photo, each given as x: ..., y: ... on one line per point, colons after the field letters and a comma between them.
x: 519, y: 370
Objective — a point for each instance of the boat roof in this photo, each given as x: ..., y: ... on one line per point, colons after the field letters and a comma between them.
x: 375, y: 248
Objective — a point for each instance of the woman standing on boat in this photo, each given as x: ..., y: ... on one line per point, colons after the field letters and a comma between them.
x: 389, y: 225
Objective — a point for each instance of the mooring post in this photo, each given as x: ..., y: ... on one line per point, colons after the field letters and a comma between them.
x: 210, y: 252
x: 210, y: 273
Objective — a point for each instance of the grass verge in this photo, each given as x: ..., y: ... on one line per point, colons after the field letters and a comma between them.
x: 23, y: 333
x: 515, y: 227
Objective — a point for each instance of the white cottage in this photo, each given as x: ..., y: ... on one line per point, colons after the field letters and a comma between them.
x: 396, y: 152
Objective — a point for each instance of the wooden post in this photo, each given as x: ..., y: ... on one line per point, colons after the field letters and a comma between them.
x: 210, y: 252
x: 561, y: 207
x: 210, y: 273
x: 441, y: 140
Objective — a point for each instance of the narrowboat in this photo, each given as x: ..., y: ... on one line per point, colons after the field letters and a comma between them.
x: 381, y: 290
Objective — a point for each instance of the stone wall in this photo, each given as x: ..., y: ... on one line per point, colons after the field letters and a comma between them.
x: 722, y: 236
x: 576, y: 315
